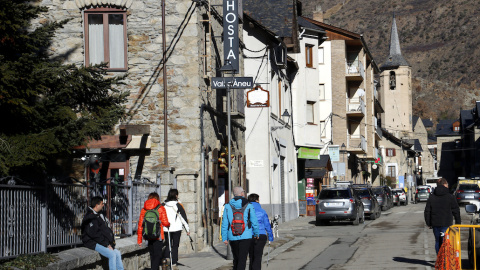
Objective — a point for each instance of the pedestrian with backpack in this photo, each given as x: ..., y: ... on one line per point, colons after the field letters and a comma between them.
x: 150, y: 227
x: 239, y: 226
x: 178, y: 221
x: 256, y: 246
x: 97, y: 235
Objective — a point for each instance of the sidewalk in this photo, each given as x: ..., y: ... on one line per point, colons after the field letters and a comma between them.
x: 214, y: 259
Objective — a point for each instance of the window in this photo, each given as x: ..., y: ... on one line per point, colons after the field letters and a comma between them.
x: 390, y: 152
x: 279, y: 98
x: 322, y: 91
x: 391, y: 171
x: 310, y: 112
x: 320, y: 55
x: 105, y: 37
x: 308, y: 55
x: 323, y: 129
x: 393, y: 80
x: 456, y: 126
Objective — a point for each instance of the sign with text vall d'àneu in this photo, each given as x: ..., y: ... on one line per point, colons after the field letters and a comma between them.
x: 230, y: 33
x: 258, y: 97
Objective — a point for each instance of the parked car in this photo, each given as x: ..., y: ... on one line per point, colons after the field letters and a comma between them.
x: 370, y: 203
x: 384, y: 198
x: 422, y: 195
x: 467, y: 193
x: 340, y: 203
x: 401, y: 196
x: 473, y: 209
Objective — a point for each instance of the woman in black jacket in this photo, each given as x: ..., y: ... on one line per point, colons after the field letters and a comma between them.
x: 97, y: 235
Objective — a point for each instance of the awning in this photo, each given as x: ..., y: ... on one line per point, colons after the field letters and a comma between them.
x: 130, y: 142
x: 322, y: 163
x: 140, y: 142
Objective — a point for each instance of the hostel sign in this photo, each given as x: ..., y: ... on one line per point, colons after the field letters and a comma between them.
x: 230, y: 33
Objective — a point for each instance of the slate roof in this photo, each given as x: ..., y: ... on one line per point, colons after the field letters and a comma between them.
x: 276, y: 15
x: 395, y: 59
x: 427, y: 123
x: 307, y: 24
x: 466, y: 118
x: 445, y: 128
x: 414, y: 121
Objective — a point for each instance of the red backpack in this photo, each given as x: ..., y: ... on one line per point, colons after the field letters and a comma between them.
x: 238, y: 223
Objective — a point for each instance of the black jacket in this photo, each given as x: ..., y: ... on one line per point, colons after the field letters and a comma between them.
x: 441, y: 208
x: 95, y: 230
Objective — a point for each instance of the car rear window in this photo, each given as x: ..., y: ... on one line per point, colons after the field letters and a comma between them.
x: 334, y: 194
x: 378, y: 191
x: 362, y: 192
x: 469, y: 187
x: 423, y: 190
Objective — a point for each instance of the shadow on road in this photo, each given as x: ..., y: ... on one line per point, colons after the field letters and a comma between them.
x: 414, y: 261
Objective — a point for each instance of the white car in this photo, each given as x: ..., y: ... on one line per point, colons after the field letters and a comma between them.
x: 402, y: 197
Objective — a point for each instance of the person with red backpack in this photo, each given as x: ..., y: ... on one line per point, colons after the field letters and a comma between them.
x: 239, y: 226
x: 153, y: 218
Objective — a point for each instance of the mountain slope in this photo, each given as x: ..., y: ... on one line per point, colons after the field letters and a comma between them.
x: 438, y: 38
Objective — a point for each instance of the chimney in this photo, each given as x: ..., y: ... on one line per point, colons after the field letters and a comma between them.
x: 318, y: 13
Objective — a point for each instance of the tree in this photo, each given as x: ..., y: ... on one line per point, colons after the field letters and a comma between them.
x: 46, y: 106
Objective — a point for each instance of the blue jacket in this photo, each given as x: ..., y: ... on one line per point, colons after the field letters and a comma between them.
x: 249, y: 217
x: 263, y: 221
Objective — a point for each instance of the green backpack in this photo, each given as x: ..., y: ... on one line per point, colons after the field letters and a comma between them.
x: 151, y: 224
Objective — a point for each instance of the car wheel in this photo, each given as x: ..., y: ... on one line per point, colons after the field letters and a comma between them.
x: 356, y: 221
x: 384, y: 208
x: 373, y: 216
x: 379, y: 213
x: 362, y: 220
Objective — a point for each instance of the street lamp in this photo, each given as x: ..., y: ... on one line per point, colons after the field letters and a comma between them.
x: 343, y: 150
x: 285, y: 114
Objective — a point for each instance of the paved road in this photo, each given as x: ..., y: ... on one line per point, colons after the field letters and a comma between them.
x: 397, y: 240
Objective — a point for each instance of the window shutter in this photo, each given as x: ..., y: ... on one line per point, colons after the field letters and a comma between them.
x: 393, y: 152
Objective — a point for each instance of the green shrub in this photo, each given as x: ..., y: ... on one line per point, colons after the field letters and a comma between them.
x: 27, y: 262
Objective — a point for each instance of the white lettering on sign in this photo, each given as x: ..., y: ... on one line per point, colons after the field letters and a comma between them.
x: 256, y: 163
x: 230, y: 33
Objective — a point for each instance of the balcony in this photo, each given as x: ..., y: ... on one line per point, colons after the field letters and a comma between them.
x: 357, y: 144
x: 378, y: 131
x: 355, y: 70
x: 356, y: 107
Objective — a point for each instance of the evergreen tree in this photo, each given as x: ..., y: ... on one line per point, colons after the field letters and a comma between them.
x: 46, y: 106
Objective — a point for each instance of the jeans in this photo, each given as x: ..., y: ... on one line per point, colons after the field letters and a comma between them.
x: 439, y: 232
x: 114, y: 257
x: 240, y: 250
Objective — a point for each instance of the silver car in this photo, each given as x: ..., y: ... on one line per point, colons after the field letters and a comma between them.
x: 339, y: 203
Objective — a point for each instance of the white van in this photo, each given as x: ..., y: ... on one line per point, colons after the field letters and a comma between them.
x: 432, y: 182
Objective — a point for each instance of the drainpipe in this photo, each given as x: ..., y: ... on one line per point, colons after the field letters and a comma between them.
x: 165, y: 111
x: 202, y: 171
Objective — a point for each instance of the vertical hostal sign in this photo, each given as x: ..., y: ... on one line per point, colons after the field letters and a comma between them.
x: 230, y: 33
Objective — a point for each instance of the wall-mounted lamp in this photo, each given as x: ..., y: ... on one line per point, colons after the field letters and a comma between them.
x: 284, y: 115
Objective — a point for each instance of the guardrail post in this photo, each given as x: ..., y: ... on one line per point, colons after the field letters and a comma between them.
x: 43, y: 241
x: 130, y: 206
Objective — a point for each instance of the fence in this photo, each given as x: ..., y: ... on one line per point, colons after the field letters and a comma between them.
x: 35, y: 218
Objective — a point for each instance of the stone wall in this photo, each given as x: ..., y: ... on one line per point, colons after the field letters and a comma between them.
x: 187, y: 90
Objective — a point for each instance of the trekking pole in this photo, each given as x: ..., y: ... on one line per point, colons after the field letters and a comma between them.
x: 170, y: 248
x: 268, y: 253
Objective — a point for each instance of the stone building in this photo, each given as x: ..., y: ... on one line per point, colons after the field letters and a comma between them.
x: 176, y: 129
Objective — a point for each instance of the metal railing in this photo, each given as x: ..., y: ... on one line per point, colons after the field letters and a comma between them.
x: 35, y: 218
x: 355, y: 68
x: 356, y: 105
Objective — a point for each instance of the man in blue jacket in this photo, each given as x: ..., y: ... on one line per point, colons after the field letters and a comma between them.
x: 237, y: 230
x: 257, y: 245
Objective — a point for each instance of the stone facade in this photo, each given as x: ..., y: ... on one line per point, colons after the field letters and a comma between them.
x: 196, y: 114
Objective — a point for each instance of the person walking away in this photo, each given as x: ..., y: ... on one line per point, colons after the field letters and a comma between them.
x: 153, y: 218
x: 178, y: 221
x: 239, y: 225
x: 440, y: 210
x: 256, y: 246
x: 97, y: 234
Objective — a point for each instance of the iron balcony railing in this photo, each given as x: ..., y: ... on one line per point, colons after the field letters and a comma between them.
x: 355, y: 68
x: 355, y: 105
